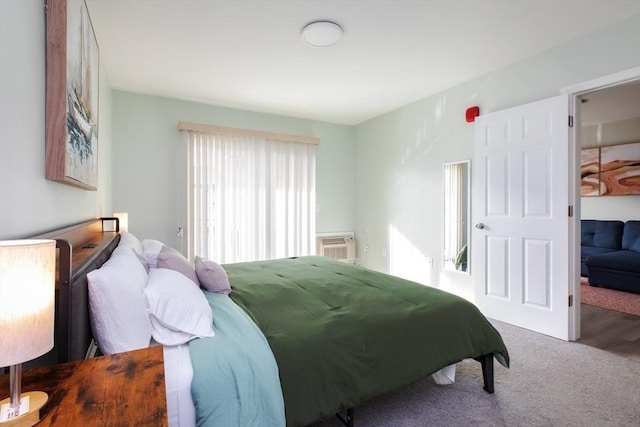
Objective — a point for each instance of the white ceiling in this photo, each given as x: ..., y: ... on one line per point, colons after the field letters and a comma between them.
x: 249, y: 55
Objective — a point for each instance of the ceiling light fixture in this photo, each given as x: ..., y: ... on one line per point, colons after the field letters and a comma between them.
x: 322, y: 33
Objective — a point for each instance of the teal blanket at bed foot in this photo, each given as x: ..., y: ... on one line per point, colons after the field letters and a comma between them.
x: 235, y: 381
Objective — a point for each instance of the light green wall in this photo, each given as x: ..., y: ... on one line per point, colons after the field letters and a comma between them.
x: 147, y: 143
x: 385, y: 172
x: 29, y: 204
x: 399, y: 155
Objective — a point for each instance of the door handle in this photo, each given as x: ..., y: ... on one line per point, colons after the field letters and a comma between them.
x: 480, y: 226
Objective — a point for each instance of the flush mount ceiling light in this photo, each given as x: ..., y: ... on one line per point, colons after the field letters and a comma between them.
x: 322, y: 33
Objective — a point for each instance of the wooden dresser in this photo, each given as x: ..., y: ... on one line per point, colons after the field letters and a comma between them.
x: 125, y: 389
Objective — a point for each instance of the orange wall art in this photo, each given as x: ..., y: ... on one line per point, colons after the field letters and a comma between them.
x: 610, y: 171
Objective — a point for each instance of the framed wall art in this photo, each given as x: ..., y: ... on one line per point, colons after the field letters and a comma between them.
x: 590, y: 172
x: 620, y: 169
x: 72, y: 95
x: 610, y: 171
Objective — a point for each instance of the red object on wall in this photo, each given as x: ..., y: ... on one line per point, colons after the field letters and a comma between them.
x: 472, y: 113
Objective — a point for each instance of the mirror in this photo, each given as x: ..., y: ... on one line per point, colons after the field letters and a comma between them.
x: 456, y: 216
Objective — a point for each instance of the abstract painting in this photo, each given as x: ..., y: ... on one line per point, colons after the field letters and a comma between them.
x: 72, y: 95
x: 620, y: 169
x: 590, y: 172
x: 610, y: 171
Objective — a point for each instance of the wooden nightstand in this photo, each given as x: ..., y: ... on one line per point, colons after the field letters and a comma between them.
x: 125, y: 389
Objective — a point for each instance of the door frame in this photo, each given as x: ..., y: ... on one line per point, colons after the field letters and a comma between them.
x: 575, y: 92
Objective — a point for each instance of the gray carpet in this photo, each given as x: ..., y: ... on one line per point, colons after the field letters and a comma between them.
x: 550, y: 383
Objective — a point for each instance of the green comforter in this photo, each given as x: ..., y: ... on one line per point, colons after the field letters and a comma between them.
x: 342, y: 334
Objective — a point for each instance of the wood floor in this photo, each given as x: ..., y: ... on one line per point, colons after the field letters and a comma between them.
x: 610, y: 330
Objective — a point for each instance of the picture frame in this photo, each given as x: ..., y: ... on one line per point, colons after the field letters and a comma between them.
x: 72, y: 97
x: 612, y: 170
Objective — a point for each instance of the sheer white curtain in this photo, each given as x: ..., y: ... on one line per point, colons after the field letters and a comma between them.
x: 249, y: 198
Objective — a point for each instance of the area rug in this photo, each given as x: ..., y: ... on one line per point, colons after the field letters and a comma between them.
x: 610, y: 299
x: 551, y: 382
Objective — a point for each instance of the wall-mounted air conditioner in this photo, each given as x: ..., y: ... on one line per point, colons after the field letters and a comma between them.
x: 339, y: 246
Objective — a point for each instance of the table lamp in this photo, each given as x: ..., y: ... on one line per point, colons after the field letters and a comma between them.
x: 124, y: 220
x: 27, y: 291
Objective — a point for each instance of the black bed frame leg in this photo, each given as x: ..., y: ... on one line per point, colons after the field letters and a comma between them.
x: 348, y: 421
x: 486, y: 360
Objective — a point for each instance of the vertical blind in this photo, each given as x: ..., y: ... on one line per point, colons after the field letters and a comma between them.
x: 249, y: 197
x: 454, y: 210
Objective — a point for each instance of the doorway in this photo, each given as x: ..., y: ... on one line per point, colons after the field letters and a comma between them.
x: 508, y: 295
x: 593, y: 103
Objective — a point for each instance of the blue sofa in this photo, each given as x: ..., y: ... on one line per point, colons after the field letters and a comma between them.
x: 610, y: 254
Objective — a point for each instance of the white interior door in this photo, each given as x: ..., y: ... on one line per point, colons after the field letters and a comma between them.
x: 520, y: 211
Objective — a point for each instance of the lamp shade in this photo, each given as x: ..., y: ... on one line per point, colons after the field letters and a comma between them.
x: 27, y: 291
x: 123, y: 218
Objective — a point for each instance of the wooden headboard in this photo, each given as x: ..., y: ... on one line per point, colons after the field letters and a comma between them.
x: 81, y: 248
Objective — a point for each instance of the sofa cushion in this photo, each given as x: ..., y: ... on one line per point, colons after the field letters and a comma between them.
x: 631, y: 236
x: 618, y: 260
x: 587, y: 251
x: 602, y: 234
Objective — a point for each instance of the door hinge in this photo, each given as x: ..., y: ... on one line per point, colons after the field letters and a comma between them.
x: 570, y: 121
x: 570, y: 211
x: 570, y: 300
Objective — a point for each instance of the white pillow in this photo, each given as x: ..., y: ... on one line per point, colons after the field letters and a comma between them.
x: 120, y: 320
x: 128, y: 240
x: 150, y: 250
x: 178, y: 309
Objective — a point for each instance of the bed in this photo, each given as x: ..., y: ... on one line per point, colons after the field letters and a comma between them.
x: 305, y: 338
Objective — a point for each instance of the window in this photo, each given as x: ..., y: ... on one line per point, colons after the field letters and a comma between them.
x: 251, y: 195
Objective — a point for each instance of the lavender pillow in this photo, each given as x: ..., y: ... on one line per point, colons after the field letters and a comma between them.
x: 212, y: 276
x: 173, y: 260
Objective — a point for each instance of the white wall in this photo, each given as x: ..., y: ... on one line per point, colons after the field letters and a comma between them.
x: 622, y: 208
x: 610, y: 133
x: 399, y: 155
x: 147, y: 143
x: 29, y: 204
